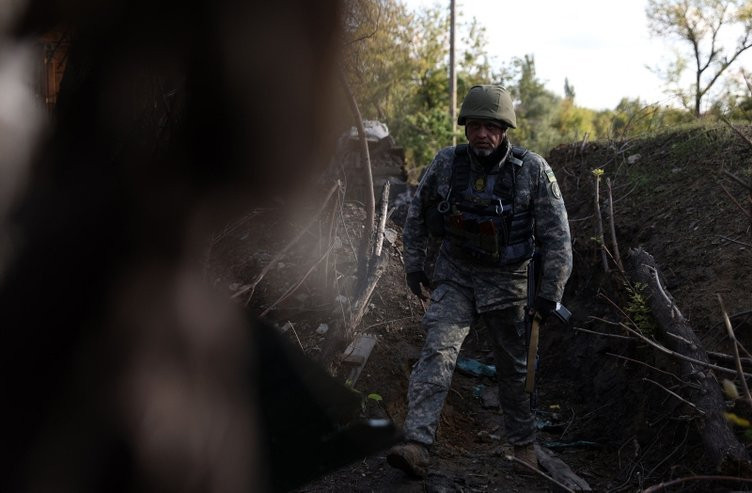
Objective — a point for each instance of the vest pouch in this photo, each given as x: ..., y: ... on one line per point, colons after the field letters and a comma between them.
x: 434, y: 222
x: 488, y: 238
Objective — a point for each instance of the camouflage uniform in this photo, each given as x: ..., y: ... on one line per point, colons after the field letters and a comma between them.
x: 465, y: 290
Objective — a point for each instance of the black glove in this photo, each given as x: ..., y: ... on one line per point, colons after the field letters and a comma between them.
x: 543, y: 308
x: 414, y: 280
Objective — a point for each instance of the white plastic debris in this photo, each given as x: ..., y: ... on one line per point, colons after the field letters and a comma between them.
x: 633, y: 158
x: 390, y: 235
x: 342, y: 299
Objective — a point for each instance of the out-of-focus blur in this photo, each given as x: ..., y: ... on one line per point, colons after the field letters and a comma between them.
x: 120, y: 370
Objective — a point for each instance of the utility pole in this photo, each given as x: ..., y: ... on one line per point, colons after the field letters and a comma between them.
x: 452, y: 75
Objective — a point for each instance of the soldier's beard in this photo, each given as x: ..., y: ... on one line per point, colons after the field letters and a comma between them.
x: 482, y: 152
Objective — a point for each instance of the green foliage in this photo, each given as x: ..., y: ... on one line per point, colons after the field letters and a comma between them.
x: 397, y: 65
x: 639, y: 311
x: 700, y: 26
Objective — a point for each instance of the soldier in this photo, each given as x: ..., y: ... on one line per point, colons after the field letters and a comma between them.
x: 492, y: 204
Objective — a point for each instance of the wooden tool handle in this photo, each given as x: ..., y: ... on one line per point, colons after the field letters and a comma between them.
x: 532, y: 356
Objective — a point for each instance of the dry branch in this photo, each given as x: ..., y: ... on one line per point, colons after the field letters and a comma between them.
x: 251, y: 287
x: 383, y: 216
x: 295, y: 286
x: 365, y: 241
x: 735, y: 178
x: 736, y: 202
x: 722, y: 448
x: 728, y: 357
x: 344, y: 332
x: 681, y: 356
x: 539, y: 473
x: 737, y: 131
x: 674, y: 394
x: 737, y: 359
x: 674, y: 482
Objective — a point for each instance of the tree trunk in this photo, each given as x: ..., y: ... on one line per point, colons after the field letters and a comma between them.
x: 724, y: 451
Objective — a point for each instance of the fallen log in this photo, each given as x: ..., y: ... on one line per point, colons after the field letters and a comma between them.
x: 722, y: 448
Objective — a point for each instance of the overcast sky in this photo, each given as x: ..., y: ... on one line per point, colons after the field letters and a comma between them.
x: 602, y: 46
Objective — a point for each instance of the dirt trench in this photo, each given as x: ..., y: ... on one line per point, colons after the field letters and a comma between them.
x: 595, y: 408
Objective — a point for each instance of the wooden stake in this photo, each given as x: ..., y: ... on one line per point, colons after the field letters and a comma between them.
x: 599, y: 222
x: 612, y: 227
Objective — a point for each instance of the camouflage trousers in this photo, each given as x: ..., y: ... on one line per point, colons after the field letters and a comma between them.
x: 447, y: 323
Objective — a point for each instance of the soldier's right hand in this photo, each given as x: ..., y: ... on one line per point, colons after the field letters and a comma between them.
x: 414, y: 282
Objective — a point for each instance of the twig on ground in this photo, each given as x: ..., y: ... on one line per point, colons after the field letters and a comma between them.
x: 665, y: 459
x: 634, y: 187
x: 615, y: 336
x: 581, y: 219
x: 671, y: 304
x: 737, y: 131
x: 539, y: 473
x: 728, y: 357
x: 675, y: 395
x: 735, y: 178
x: 296, y: 336
x: 618, y: 308
x: 609, y: 322
x: 295, y: 286
x: 251, y: 287
x: 382, y: 221
x: 386, y: 322
x: 330, y: 237
x: 748, y: 245
x: 736, y: 202
x: 686, y: 341
x: 674, y: 482
x: 651, y: 367
x: 732, y: 336
x: 668, y: 351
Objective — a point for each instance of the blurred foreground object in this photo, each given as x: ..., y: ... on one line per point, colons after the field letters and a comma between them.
x: 121, y: 371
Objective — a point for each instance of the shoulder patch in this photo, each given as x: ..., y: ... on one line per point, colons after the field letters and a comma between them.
x: 550, y: 175
x: 555, y: 189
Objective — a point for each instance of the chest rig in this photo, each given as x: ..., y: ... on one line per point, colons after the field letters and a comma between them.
x: 479, y: 217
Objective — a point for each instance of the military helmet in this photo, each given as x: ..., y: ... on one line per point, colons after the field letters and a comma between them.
x: 488, y: 102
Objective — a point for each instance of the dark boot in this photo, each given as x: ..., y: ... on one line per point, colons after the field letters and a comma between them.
x: 411, y: 457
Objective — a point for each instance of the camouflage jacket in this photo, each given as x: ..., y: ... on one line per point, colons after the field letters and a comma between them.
x: 495, y: 286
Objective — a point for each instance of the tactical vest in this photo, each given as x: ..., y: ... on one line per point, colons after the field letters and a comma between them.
x: 479, y: 219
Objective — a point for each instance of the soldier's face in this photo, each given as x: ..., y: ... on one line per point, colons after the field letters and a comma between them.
x: 484, y: 136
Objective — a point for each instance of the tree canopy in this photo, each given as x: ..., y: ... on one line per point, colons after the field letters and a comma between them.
x: 700, y: 26
x: 397, y: 65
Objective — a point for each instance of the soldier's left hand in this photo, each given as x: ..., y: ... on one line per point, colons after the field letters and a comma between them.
x: 543, y: 308
x: 417, y: 279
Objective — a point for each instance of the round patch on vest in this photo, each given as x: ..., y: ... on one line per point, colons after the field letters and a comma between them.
x: 480, y: 183
x: 555, y: 190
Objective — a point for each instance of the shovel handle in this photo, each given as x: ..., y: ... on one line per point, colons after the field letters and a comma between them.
x: 532, y: 354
